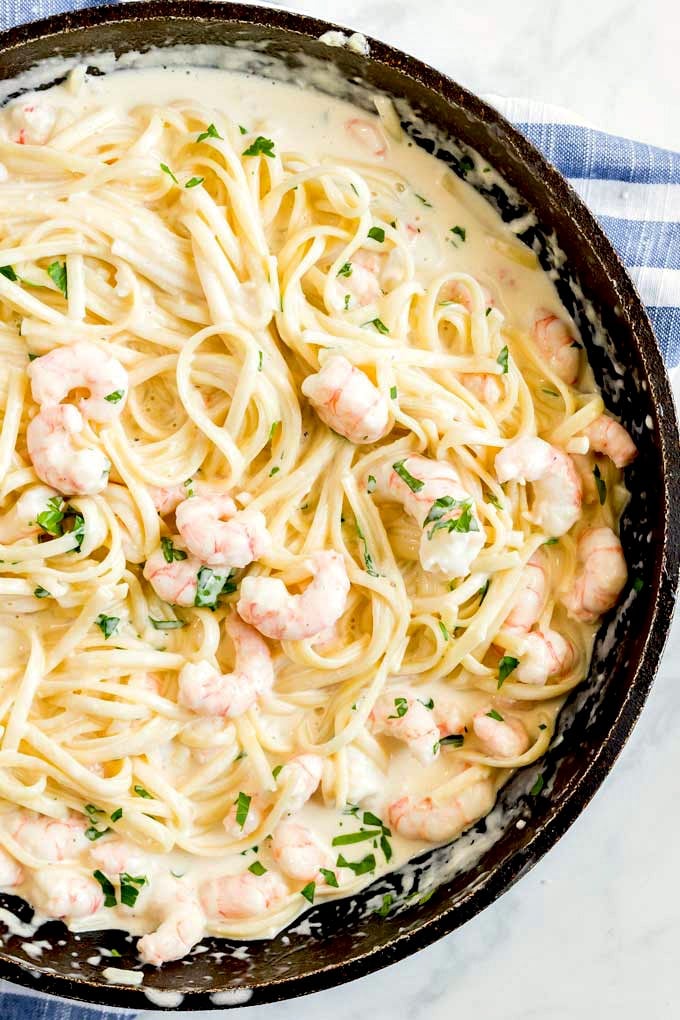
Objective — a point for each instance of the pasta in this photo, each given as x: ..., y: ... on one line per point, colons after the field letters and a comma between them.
x: 307, y: 527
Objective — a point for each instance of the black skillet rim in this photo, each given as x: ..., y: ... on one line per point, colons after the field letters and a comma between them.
x: 641, y: 674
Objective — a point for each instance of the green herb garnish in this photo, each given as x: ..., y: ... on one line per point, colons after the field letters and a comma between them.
x: 107, y: 624
x: 345, y: 270
x: 210, y: 132
x: 260, y: 147
x: 538, y: 785
x: 115, y: 397
x: 167, y: 624
x: 356, y: 837
x: 505, y: 667
x: 401, y: 708
x: 242, y: 803
x: 194, y: 182
x: 601, y: 485
x: 58, y: 275
x: 502, y: 360
x: 107, y: 888
x: 493, y: 714
x: 459, y: 231
x: 377, y: 234
x: 329, y: 877
x: 256, y: 868
x: 170, y: 553
x: 414, y: 484
x: 50, y: 519
x: 210, y: 584
x: 41, y: 593
x: 166, y: 170
x: 358, y: 867
x: 444, y: 629
x: 130, y: 888
x: 308, y: 891
x: 8, y: 273
x: 141, y: 792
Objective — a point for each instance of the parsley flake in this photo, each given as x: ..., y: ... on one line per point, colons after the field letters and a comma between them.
x: 59, y: 276
x: 115, y: 397
x: 538, y: 785
x: 170, y: 553
x: 502, y: 360
x: 242, y: 803
x: 414, y: 484
x: 459, y: 231
x: 601, y: 485
x: 377, y: 234
x: 345, y: 270
x: 210, y: 132
x: 401, y: 708
x: 260, y: 147
x: 107, y: 624
x: 166, y: 170
x: 107, y: 888
x: 505, y: 667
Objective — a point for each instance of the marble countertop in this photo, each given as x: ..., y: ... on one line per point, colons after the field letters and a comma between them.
x: 593, y: 929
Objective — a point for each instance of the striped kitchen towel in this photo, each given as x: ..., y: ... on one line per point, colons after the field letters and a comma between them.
x: 633, y: 189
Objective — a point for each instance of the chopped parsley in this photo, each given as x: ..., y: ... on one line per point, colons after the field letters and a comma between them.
x: 601, y: 485
x: 256, y: 868
x: 505, y: 667
x: 141, y: 792
x: 59, y: 276
x: 107, y: 888
x: 356, y: 837
x: 115, y: 397
x: 274, y: 471
x: 210, y: 132
x: 444, y: 629
x: 393, y: 392
x: 483, y: 590
x: 377, y: 234
x: 379, y: 325
x: 502, y: 360
x: 347, y: 300
x: 401, y: 708
x: 358, y: 867
x: 414, y: 484
x: 117, y: 815
x: 166, y: 170
x: 189, y: 486
x: 167, y: 624
x: 384, y: 908
x: 275, y: 425
x: 495, y: 501
x: 551, y: 541
x: 371, y: 484
x: 330, y: 877
x: 368, y: 559
x: 638, y: 584
x: 194, y: 182
x: 538, y: 785
x: 8, y: 273
x: 130, y: 888
x: 169, y: 551
x: 50, y: 519
x: 42, y: 593
x: 427, y: 704
x: 459, y: 231
x: 345, y: 270
x: 276, y: 770
x: 423, y: 200
x: 308, y: 891
x: 453, y: 740
x: 465, y: 164
x: 493, y: 714
x: 242, y: 129
x: 242, y: 803
x: 260, y: 147
x: 259, y: 361
x: 463, y: 524
x: 107, y: 624
x: 210, y: 584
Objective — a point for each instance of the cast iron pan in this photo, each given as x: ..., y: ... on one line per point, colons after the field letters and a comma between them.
x: 348, y: 939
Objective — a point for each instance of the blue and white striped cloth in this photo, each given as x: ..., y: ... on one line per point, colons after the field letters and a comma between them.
x: 633, y: 189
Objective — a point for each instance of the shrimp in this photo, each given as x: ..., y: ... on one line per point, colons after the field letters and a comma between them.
x: 558, y: 493
x: 502, y: 737
x: 33, y: 124
x: 448, y: 715
x: 57, y: 460
x: 299, y: 853
x: 11, y: 872
x: 303, y: 775
x: 80, y: 366
x: 252, y: 821
x: 364, y: 778
x: 219, y: 534
x: 530, y: 596
x: 207, y: 692
x: 267, y: 605
x: 22, y: 520
x: 50, y: 839
x: 175, y: 582
x: 488, y: 389
x: 435, y: 822
x: 602, y: 576
x: 347, y: 401
x: 367, y: 135
x: 182, y: 926
x: 547, y: 653
x: 115, y: 856
x: 65, y: 893
x: 463, y: 293
x: 245, y: 895
x: 610, y: 438
x: 406, y: 718
x: 556, y: 345
x: 432, y: 493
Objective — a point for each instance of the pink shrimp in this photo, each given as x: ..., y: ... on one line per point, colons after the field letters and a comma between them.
x: 463, y: 292
x: 114, y: 856
x: 65, y: 893
x: 266, y: 603
x: 302, y: 775
x: 33, y: 123
x: 247, y: 895
x: 435, y: 822
x: 601, y: 577
x: 347, y: 401
x: 432, y: 493
x: 556, y: 345
x: 364, y: 778
x: 547, y: 654
x: 610, y: 438
x: 207, y: 692
x: 175, y: 582
x: 22, y: 520
x: 557, y: 487
x: 57, y: 460
x: 367, y: 135
x: 50, y: 839
x: 448, y: 715
x: 530, y: 596
x: 182, y: 926
x: 362, y: 277
x: 11, y: 872
x: 219, y: 534
x: 299, y: 853
x: 80, y: 366
x: 502, y: 737
x: 487, y: 388
x: 405, y: 718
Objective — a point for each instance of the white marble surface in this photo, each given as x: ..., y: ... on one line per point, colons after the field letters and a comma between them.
x: 593, y: 930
